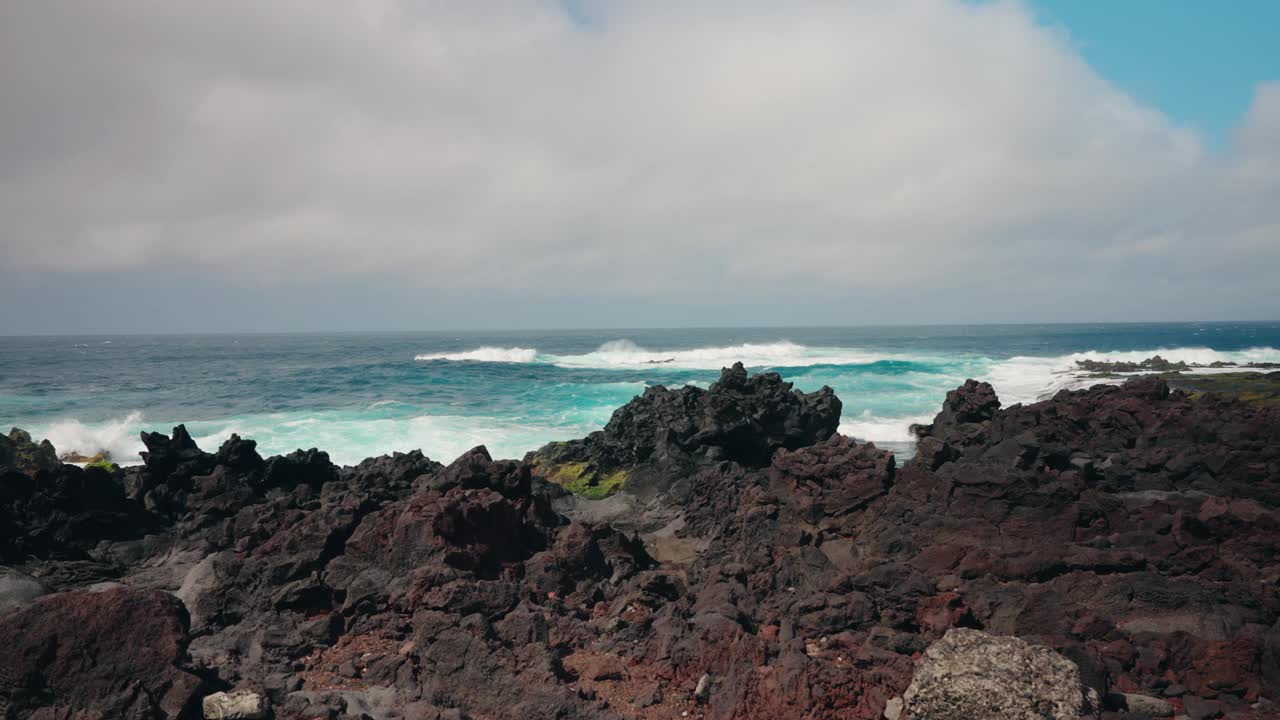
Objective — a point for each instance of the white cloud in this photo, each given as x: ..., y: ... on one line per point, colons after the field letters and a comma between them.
x: 736, y: 145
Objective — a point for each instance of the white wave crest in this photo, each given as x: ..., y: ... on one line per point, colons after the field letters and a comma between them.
x: 117, y: 437
x: 1025, y: 379
x: 487, y: 354
x: 351, y: 437
x: 870, y: 428
x: 627, y: 354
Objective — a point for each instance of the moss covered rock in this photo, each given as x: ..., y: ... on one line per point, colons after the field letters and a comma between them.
x: 1251, y: 387
x: 18, y: 451
x: 582, y: 478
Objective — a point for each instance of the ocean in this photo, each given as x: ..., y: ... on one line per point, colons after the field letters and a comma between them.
x: 357, y: 395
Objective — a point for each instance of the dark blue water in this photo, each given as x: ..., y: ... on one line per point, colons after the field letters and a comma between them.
x: 361, y: 394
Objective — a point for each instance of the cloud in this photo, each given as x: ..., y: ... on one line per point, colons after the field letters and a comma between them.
x: 632, y: 150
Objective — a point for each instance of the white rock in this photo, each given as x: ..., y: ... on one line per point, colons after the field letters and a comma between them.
x: 1147, y: 705
x: 893, y: 709
x: 970, y: 675
x: 18, y: 589
x: 238, y: 705
x: 703, y: 689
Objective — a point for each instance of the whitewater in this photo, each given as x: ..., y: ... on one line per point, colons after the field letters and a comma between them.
x: 358, y: 395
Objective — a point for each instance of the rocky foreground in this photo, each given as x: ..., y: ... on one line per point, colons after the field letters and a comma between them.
x: 1111, y: 552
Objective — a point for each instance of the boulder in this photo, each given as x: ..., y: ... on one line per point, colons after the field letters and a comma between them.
x: 237, y: 705
x: 970, y: 675
x: 166, y: 455
x: 63, y: 511
x: 20, y: 452
x: 18, y: 589
x: 970, y: 404
x: 116, y: 653
x: 1147, y: 705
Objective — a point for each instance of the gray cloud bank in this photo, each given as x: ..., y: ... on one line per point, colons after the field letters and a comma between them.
x: 750, y: 150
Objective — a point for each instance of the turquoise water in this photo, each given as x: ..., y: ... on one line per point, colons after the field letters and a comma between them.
x: 357, y: 395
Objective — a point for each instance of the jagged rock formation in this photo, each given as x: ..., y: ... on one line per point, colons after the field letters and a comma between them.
x: 664, y: 432
x: 1132, y: 529
x: 1155, y: 363
x: 17, y: 451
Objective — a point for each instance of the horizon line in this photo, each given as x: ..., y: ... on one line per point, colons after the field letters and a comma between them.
x: 473, y: 330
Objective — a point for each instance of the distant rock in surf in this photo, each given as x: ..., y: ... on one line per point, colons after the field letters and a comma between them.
x: 1154, y: 364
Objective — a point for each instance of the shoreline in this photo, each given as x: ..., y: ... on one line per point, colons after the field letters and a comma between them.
x: 894, y: 433
x: 712, y: 537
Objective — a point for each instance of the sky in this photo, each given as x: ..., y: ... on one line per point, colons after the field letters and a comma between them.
x: 406, y: 165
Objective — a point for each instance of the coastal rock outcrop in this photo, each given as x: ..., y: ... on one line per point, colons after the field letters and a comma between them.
x: 739, y: 418
x: 19, y: 452
x: 762, y: 567
x: 1155, y: 363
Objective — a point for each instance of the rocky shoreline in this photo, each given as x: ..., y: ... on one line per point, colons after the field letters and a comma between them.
x: 1111, y: 552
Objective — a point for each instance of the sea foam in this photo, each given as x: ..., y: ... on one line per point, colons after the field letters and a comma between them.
x: 880, y: 405
x: 628, y: 355
x: 486, y: 354
x: 1025, y: 379
x: 118, y: 437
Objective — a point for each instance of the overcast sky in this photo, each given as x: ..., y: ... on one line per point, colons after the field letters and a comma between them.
x: 383, y: 164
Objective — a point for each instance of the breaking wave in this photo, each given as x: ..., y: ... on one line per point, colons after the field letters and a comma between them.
x: 1027, y: 379
x: 117, y: 437
x: 628, y: 355
x: 486, y: 354
x: 884, y: 392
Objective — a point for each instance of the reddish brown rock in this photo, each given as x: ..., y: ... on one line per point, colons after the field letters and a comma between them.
x: 1134, y: 530
x: 112, y: 654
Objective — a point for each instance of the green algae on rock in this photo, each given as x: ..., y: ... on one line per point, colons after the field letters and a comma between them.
x: 581, y: 478
x: 1251, y: 387
x: 17, y: 450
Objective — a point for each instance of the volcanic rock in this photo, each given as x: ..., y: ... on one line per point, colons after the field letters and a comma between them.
x: 19, y: 452
x: 969, y: 675
x: 108, y: 654
x: 968, y: 407
x: 239, y: 705
x: 1146, y: 705
x: 1133, y: 530
x: 18, y: 588
x: 1154, y: 363
x: 739, y: 418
